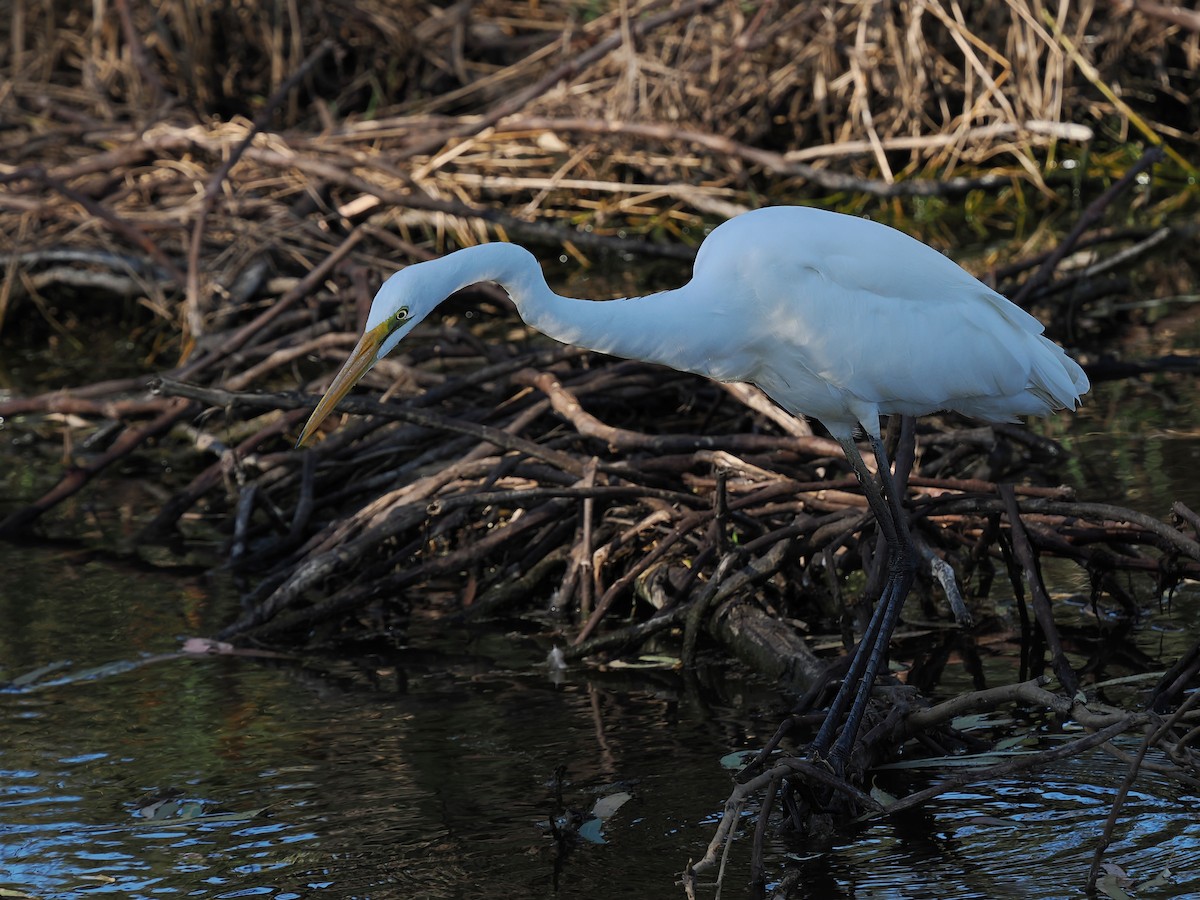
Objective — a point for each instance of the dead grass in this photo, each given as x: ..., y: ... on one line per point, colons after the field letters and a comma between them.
x: 638, y: 114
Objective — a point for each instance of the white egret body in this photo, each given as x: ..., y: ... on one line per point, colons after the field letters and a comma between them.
x: 834, y: 317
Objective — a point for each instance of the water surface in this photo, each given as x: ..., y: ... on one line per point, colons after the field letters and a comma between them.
x: 428, y: 772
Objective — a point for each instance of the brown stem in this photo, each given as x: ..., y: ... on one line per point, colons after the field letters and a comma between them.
x: 1042, y: 608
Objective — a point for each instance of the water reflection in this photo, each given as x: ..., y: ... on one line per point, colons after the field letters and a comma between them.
x: 427, y: 773
x: 422, y: 775
x: 1028, y: 838
x: 1129, y: 450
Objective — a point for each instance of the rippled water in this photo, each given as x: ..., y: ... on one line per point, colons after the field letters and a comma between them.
x: 427, y: 773
x: 1028, y: 838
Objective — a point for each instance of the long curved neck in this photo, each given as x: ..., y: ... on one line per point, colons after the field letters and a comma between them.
x: 650, y: 328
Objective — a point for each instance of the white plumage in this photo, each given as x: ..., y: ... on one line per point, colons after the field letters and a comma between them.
x: 834, y: 317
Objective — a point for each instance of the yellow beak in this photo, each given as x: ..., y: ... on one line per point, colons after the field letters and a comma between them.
x: 356, y: 367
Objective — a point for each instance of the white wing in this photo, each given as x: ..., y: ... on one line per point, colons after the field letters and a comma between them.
x: 846, y: 317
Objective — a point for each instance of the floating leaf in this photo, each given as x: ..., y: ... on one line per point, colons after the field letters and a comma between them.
x: 738, y: 759
x: 1162, y: 879
x: 160, y: 809
x: 590, y: 831
x: 882, y: 797
x: 606, y: 806
x: 1109, y: 886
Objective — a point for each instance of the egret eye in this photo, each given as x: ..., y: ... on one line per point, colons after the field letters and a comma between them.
x: 400, y: 315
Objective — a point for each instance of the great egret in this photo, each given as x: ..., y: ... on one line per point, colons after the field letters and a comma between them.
x: 834, y: 317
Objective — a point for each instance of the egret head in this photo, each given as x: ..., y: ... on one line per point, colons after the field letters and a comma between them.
x: 394, y: 311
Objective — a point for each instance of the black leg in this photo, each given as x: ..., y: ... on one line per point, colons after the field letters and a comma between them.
x: 872, y: 649
x: 891, y: 603
x: 824, y: 739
